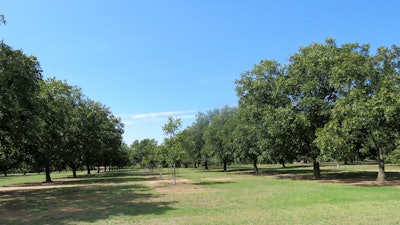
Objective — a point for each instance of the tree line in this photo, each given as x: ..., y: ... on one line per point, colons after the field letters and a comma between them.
x: 47, y: 124
x: 329, y: 103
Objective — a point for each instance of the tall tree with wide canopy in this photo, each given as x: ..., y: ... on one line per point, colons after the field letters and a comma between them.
x: 58, y: 100
x: 368, y: 109
x: 266, y: 113
x: 308, y: 80
x: 289, y: 104
x: 20, y: 76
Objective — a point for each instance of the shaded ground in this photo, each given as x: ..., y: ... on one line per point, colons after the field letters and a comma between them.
x: 328, y: 174
x: 79, y: 200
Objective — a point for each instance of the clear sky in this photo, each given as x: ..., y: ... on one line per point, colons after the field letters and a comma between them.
x: 150, y: 59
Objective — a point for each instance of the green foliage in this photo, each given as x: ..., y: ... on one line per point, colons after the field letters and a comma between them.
x: 19, y: 86
x: 367, y: 112
x: 268, y: 117
x: 329, y: 102
x: 218, y: 135
x: 196, y: 131
x: 51, y: 124
x: 146, y: 152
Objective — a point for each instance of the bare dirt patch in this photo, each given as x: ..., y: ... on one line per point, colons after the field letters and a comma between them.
x: 165, y: 185
x: 362, y: 182
x: 219, y: 179
x: 37, y: 187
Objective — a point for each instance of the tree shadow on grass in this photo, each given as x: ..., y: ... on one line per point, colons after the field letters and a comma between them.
x: 241, y: 170
x: 101, y: 178
x: 86, y: 203
x: 211, y: 182
x: 361, y: 178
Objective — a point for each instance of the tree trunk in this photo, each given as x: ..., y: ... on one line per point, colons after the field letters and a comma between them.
x: 174, y: 174
x: 381, y: 159
x: 88, y: 169
x: 225, y: 165
x: 381, y: 168
x: 48, y: 178
x: 206, y: 165
x: 255, y: 166
x: 317, y: 171
x: 74, y: 172
x: 282, y: 162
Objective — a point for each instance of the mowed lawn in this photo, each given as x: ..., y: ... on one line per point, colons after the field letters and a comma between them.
x: 277, y: 196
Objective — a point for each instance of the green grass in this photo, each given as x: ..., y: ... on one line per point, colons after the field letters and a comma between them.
x: 15, y: 179
x: 276, y: 196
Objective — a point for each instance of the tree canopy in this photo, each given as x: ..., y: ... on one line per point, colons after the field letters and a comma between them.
x: 49, y: 124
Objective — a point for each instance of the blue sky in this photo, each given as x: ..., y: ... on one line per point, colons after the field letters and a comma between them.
x: 150, y: 59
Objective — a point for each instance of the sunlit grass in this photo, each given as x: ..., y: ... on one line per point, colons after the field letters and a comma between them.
x: 209, y: 197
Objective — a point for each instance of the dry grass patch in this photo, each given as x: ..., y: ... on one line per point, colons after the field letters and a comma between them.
x: 361, y: 182
x: 219, y: 179
x: 165, y: 185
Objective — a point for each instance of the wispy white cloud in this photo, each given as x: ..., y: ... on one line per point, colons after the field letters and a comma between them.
x: 129, y: 119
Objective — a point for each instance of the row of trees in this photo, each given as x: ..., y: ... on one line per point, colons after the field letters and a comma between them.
x: 49, y: 124
x: 329, y: 103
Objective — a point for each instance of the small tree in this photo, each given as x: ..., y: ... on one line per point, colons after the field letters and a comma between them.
x: 171, y: 130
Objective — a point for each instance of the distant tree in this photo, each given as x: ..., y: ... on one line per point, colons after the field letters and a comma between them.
x: 186, y: 143
x: 219, y: 138
x: 196, y: 134
x: 122, y: 156
x: 137, y: 152
x: 73, y: 136
x: 149, y: 148
x: 247, y: 140
x: 206, y: 147
x: 111, y: 139
x: 102, y: 136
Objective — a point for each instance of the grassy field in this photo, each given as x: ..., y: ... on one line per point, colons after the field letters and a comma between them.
x: 347, y: 195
